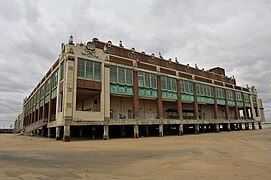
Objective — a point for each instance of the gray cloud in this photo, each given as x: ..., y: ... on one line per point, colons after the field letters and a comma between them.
x: 232, y: 34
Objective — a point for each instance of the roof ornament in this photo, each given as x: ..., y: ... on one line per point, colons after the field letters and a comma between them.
x: 120, y: 44
x: 160, y: 55
x: 196, y: 66
x: 176, y: 60
x: 71, y: 40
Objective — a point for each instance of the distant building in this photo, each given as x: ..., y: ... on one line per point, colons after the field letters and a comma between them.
x: 99, y: 89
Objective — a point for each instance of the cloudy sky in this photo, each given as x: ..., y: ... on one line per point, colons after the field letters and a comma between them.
x: 234, y: 34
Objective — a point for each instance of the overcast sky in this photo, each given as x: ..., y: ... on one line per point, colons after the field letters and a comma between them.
x: 233, y: 34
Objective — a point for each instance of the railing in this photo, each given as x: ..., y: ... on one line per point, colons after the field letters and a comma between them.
x: 36, y: 125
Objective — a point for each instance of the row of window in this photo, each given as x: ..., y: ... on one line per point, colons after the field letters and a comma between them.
x: 89, y: 69
x: 205, y: 90
x: 121, y: 75
x: 220, y: 93
x: 168, y: 83
x: 147, y: 80
x: 187, y: 87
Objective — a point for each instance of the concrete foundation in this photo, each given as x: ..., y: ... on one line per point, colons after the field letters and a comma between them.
x: 136, y: 131
x: 106, y: 132
x: 253, y: 126
x: 58, y: 133
x: 196, y: 128
x: 66, y: 134
x: 229, y: 127
x: 161, y: 130
x: 217, y: 128
x: 180, y: 129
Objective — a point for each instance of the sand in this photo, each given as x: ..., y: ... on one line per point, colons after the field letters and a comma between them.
x: 226, y: 155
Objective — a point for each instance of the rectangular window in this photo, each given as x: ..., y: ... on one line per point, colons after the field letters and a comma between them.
x: 140, y: 79
x: 62, y: 71
x: 97, y: 71
x: 147, y: 80
x: 153, y: 81
x: 129, y: 77
x: 174, y: 87
x: 81, y: 68
x: 89, y: 69
x: 121, y: 75
x: 163, y: 83
x: 113, y: 74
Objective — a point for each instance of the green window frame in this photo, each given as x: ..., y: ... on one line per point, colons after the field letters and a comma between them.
x: 220, y: 93
x: 254, y: 98
x: 239, y: 96
x: 89, y: 69
x: 246, y: 97
x: 204, y: 90
x: 187, y: 87
x: 121, y: 75
x: 168, y: 83
x: 230, y: 94
x: 147, y: 80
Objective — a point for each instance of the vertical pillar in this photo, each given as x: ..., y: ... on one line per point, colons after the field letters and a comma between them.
x: 229, y: 127
x: 215, y: 105
x: 196, y: 128
x: 49, y: 133
x: 106, y: 132
x: 253, y: 113
x: 93, y: 132
x: 50, y: 101
x: 81, y: 130
x: 58, y: 128
x: 66, y: 134
x: 179, y: 100
x: 196, y: 106
x: 106, y: 92
x: 241, y: 126
x: 227, y: 111
x: 136, y: 131
x: 244, y: 108
x: 236, y: 110
x: 159, y: 100
x: 246, y: 126
x: 161, y: 131
x: 217, y: 128
x: 122, y: 131
x: 260, y: 125
x: 135, y: 96
x: 253, y: 126
x: 181, y: 129
x: 147, y: 130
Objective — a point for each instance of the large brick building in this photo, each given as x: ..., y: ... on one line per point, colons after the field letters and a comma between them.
x: 98, y: 89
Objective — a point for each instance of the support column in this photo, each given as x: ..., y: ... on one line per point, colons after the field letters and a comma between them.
x: 227, y: 110
x: 136, y: 131
x: 66, y: 134
x: 238, y: 126
x: 229, y: 127
x: 181, y: 129
x: 122, y: 131
x: 246, y: 126
x: 106, y: 132
x: 215, y: 105
x: 49, y: 133
x: 159, y: 100
x: 217, y: 128
x: 253, y: 126
x: 236, y: 110
x: 81, y: 130
x: 196, y: 106
x: 147, y: 130
x: 58, y: 128
x: 135, y: 96
x: 241, y: 126
x: 179, y: 100
x: 253, y: 113
x: 244, y: 108
x: 196, y: 128
x: 93, y: 132
x: 260, y: 125
x: 161, y: 131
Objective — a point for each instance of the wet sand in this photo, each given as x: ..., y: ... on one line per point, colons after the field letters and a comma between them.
x: 226, y: 155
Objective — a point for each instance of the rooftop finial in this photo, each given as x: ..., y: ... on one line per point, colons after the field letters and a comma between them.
x: 71, y: 40
x: 121, y: 44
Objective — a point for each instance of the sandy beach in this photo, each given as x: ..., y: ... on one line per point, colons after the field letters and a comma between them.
x: 226, y: 155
